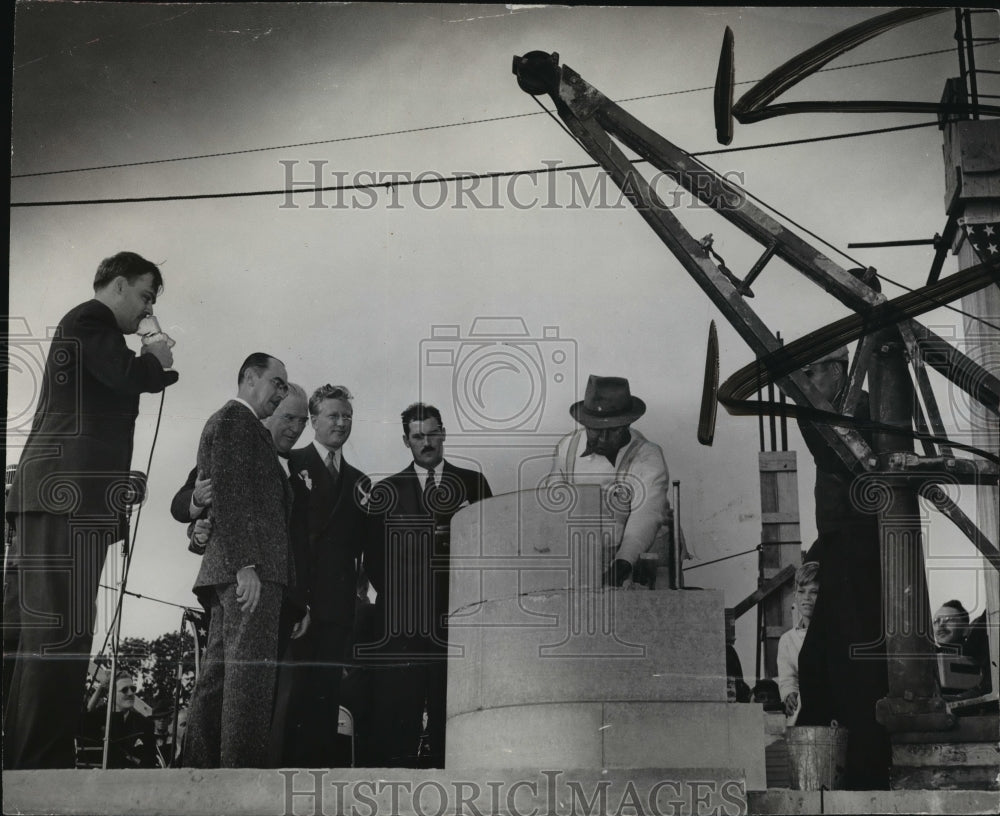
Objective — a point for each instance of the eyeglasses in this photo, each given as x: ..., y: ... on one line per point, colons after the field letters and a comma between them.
x: 947, y: 619
x: 280, y: 386
x: 127, y: 690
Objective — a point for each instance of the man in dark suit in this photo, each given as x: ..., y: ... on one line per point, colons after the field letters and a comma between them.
x: 68, y: 500
x: 246, y: 567
x: 407, y: 561
x: 328, y: 533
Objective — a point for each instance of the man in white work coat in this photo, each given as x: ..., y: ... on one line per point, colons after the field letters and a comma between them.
x: 631, y: 470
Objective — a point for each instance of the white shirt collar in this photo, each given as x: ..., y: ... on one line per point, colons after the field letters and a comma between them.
x: 242, y: 401
x: 283, y: 461
x: 422, y: 473
x: 323, y: 451
x: 635, y: 438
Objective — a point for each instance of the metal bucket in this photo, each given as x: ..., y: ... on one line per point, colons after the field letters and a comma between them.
x: 817, y: 756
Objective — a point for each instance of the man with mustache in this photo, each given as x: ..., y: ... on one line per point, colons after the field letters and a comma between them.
x: 244, y: 573
x: 407, y: 562
x: 608, y: 452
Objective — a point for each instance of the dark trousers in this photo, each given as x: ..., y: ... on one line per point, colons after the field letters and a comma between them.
x: 230, y: 717
x: 58, y: 570
x: 282, y: 688
x: 400, y: 694
x: 842, y: 664
x: 316, y: 668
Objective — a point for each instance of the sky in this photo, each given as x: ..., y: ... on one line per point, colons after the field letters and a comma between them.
x: 375, y: 289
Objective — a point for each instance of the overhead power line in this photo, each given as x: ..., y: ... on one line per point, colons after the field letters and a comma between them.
x: 245, y: 151
x: 442, y: 179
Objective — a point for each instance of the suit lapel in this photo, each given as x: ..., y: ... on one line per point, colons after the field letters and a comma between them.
x: 343, y: 488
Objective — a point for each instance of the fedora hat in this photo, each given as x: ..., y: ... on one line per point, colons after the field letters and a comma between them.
x: 607, y: 403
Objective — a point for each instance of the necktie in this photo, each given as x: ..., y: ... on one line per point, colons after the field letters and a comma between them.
x: 331, y: 465
x: 429, y: 489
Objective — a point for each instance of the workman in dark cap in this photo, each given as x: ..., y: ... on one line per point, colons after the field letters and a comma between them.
x: 841, y: 677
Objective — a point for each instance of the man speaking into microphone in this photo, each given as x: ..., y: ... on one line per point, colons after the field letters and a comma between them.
x: 69, y: 495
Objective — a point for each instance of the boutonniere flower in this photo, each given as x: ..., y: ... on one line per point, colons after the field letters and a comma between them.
x: 304, y: 476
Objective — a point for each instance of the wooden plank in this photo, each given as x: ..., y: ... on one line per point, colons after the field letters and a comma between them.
x: 967, y: 729
x: 771, y: 534
x: 956, y: 778
x: 780, y: 517
x: 768, y: 587
x: 776, y: 461
x: 936, y: 754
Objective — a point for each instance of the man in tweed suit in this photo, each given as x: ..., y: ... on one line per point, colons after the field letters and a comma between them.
x: 244, y: 573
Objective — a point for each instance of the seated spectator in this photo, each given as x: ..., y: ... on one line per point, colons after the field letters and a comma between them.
x: 951, y: 624
x: 955, y: 635
x: 132, y: 743
x: 806, y: 591
x: 766, y: 693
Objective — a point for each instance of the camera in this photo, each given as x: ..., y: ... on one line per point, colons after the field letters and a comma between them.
x: 500, y: 379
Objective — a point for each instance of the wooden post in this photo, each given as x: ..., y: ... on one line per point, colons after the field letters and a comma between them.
x: 965, y: 757
x: 781, y: 542
x: 913, y: 702
x: 972, y: 156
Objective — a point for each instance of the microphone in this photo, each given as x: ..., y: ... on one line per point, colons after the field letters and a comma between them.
x: 150, y: 331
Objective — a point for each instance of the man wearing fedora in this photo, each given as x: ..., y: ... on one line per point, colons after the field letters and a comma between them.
x: 608, y: 452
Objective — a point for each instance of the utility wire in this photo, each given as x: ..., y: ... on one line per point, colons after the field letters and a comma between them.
x: 435, y: 127
x: 858, y: 263
x: 558, y: 121
x: 724, y: 558
x: 145, y: 597
x: 442, y: 179
x: 790, y: 220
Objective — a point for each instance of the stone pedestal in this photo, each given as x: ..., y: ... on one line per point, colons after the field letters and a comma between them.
x: 550, y: 669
